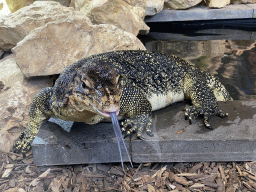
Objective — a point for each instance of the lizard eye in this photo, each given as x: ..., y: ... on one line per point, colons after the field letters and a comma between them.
x: 83, y: 85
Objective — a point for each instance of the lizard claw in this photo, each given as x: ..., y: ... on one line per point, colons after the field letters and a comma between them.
x: 192, y: 112
x: 149, y: 133
x: 206, y: 123
x: 141, y: 138
x: 190, y: 120
x: 127, y: 134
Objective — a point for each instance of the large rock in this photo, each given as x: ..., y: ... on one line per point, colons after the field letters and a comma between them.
x: 62, y: 2
x: 154, y: 6
x: 151, y: 7
x: 115, y: 12
x: 181, y: 4
x: 14, y: 27
x: 86, y: 6
x: 49, y: 49
x: 217, y: 3
x: 137, y: 3
x: 16, y: 94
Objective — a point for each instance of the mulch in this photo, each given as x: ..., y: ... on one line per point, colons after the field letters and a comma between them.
x: 18, y: 174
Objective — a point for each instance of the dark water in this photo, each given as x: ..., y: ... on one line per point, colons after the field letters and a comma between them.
x: 228, y: 54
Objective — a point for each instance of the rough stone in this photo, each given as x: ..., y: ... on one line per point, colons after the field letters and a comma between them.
x: 181, y: 4
x: 137, y: 3
x: 14, y: 27
x: 115, y: 12
x: 62, y: 2
x: 151, y: 7
x: 217, y: 3
x: 86, y: 6
x: 154, y: 6
x: 49, y: 49
x: 16, y: 94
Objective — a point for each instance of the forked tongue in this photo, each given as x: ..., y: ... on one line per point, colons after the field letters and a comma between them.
x: 119, y: 137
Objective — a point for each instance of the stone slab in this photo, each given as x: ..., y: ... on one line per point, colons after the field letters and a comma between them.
x: 66, y: 125
x: 84, y: 144
x: 253, y: 37
x: 233, y: 139
x: 233, y: 11
x: 253, y: 6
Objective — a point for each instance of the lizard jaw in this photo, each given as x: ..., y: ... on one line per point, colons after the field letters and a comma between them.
x: 105, y: 113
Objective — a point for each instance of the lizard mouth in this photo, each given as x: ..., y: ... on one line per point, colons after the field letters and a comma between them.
x: 106, y: 114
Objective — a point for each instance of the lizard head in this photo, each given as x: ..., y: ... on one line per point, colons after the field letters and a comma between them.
x: 99, y: 88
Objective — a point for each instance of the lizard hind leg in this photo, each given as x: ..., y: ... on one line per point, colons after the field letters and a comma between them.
x: 39, y: 111
x: 204, y: 101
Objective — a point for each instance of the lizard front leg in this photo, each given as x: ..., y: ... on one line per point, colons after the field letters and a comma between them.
x: 137, y: 108
x: 39, y: 111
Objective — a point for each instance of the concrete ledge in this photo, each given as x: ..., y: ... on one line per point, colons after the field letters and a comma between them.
x: 233, y: 139
x: 233, y: 11
x: 83, y: 144
x: 253, y: 6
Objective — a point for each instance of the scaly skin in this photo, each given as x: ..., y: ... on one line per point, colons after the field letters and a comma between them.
x: 130, y: 83
x: 39, y: 111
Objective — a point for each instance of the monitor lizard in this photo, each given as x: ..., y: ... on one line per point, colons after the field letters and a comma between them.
x: 131, y: 83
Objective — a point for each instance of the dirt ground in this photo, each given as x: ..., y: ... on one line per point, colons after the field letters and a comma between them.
x: 19, y: 174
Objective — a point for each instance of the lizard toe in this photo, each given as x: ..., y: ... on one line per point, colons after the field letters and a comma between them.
x: 206, y: 122
x: 222, y: 114
x: 149, y: 133
x: 141, y: 138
